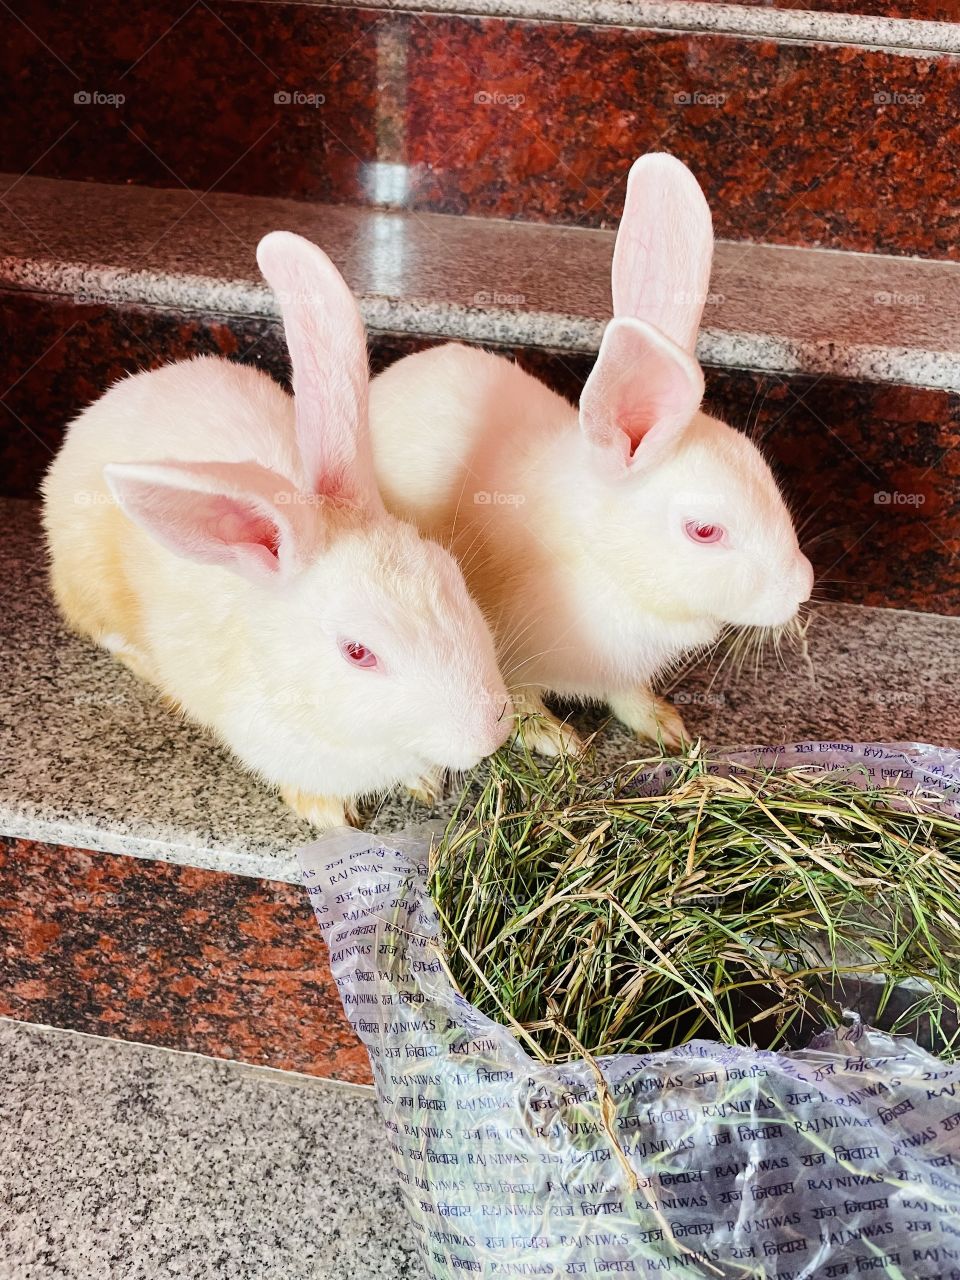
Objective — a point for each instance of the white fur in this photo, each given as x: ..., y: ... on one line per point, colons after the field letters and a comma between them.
x: 570, y: 526
x: 159, y: 562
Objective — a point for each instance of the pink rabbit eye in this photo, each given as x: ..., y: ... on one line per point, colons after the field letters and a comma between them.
x: 698, y: 532
x: 357, y: 654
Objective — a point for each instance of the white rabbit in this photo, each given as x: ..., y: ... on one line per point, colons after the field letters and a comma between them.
x: 602, y: 544
x: 252, y: 573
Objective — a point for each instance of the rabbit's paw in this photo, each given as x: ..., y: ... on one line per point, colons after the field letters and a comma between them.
x: 133, y: 659
x: 540, y: 730
x: 321, y: 811
x: 427, y: 787
x: 651, y: 718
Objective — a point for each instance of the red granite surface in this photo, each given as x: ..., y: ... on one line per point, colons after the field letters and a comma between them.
x: 58, y: 355
x: 794, y: 143
x: 872, y: 474
x: 223, y: 965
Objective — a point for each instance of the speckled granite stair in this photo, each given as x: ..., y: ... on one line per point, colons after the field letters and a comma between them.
x: 770, y: 308
x: 846, y: 365
x: 123, y: 1162
x: 892, y: 24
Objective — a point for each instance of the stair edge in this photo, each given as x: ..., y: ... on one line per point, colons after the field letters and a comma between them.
x: 909, y: 36
x: 921, y: 296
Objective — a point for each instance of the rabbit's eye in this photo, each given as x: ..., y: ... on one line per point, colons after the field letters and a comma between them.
x: 357, y: 654
x: 698, y: 532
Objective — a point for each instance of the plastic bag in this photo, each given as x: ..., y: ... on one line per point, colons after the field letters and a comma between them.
x: 842, y: 1159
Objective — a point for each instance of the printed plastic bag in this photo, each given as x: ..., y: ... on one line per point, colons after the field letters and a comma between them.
x: 842, y: 1159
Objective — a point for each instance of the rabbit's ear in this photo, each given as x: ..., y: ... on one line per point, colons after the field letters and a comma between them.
x: 642, y: 392
x: 664, y: 249
x: 238, y: 515
x: 328, y: 354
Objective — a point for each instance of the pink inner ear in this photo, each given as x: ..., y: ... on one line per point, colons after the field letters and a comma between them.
x: 190, y: 509
x: 653, y: 395
x: 642, y: 392
x: 235, y: 525
x: 213, y: 528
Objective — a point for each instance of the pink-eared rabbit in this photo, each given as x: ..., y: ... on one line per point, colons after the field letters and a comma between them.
x: 602, y: 544
x: 227, y: 542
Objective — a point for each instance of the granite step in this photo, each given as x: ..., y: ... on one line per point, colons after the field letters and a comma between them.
x: 125, y: 1162
x: 892, y: 24
x: 148, y: 885
x: 845, y: 365
x: 828, y: 130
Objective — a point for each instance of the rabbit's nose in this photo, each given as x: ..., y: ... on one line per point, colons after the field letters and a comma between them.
x: 500, y: 724
x: 804, y: 578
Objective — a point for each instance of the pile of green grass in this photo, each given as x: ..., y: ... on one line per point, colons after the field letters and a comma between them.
x: 590, y: 918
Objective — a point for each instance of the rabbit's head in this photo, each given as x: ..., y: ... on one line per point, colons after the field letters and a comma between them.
x: 359, y: 636
x: 685, y: 510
